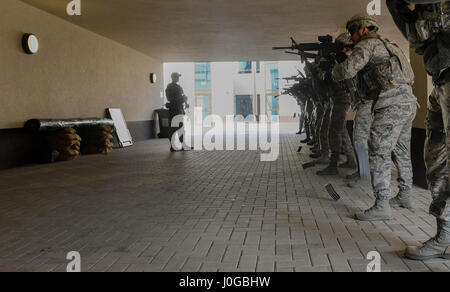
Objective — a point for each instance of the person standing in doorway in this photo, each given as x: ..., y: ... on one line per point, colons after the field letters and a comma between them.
x: 177, y: 101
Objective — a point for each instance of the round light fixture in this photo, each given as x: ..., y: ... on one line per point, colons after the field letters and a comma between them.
x: 30, y: 43
x: 153, y: 78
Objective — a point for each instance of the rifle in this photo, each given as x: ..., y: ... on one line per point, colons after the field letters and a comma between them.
x: 326, y: 48
x: 293, y: 78
x: 301, y: 74
x: 304, y: 55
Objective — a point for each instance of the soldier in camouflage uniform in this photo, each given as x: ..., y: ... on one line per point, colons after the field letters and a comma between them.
x: 337, y: 130
x: 426, y: 24
x: 321, y: 109
x: 386, y: 78
x: 322, y: 89
x: 310, y: 110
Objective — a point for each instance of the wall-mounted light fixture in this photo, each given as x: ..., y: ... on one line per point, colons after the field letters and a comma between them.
x: 153, y: 78
x: 30, y: 43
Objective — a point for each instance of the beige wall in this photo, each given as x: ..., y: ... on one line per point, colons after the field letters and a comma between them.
x: 422, y: 89
x: 76, y: 73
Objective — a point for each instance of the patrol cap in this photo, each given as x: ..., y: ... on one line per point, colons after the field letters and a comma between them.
x: 175, y: 74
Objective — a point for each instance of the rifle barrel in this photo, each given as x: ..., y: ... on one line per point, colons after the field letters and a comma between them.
x: 282, y: 48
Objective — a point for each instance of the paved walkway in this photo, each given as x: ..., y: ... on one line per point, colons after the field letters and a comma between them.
x: 146, y: 209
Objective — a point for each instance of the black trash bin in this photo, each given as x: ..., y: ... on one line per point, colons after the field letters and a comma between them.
x: 163, y: 118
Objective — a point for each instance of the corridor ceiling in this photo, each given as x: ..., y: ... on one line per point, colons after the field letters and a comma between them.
x: 215, y: 30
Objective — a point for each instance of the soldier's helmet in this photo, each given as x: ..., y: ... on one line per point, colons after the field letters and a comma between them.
x: 344, y: 38
x: 362, y: 20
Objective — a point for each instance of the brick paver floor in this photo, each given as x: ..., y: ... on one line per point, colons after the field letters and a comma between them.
x: 146, y: 209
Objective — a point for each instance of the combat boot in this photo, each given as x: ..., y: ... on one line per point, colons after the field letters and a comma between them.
x: 350, y: 164
x: 311, y: 143
x: 354, y: 176
x: 404, y: 199
x: 324, y: 159
x: 315, y: 150
x: 315, y: 155
x: 436, y: 247
x: 307, y: 140
x: 381, y: 211
x: 331, y: 168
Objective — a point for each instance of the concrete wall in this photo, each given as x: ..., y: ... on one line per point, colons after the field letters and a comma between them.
x: 76, y: 73
x: 222, y: 87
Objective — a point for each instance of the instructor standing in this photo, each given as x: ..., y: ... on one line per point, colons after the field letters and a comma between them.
x: 176, y: 105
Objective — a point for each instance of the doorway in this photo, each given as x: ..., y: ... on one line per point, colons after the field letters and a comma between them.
x: 244, y: 105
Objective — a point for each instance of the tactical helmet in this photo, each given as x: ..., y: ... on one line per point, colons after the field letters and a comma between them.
x: 344, y: 38
x: 362, y: 20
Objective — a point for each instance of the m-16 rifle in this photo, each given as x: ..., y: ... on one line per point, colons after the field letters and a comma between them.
x: 325, y: 48
x: 304, y: 56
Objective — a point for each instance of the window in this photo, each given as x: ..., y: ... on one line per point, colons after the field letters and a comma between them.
x: 258, y: 67
x: 274, y: 76
x: 245, y: 67
x: 203, y: 76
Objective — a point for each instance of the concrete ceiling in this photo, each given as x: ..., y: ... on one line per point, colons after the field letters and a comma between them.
x: 215, y: 30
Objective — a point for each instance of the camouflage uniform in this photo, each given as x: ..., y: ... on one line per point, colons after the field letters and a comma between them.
x: 437, y: 61
x: 390, y: 136
x: 433, y: 44
x: 338, y: 137
x: 320, y: 112
x: 338, y: 130
x: 302, y: 115
x: 437, y: 152
x: 361, y: 132
x: 324, y: 130
x: 308, y: 118
x: 394, y: 111
x: 338, y: 133
x: 313, y: 122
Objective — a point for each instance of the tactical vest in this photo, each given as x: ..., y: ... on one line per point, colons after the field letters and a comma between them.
x: 431, y: 20
x: 381, y: 77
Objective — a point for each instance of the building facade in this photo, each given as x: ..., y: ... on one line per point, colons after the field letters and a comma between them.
x: 238, y: 88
